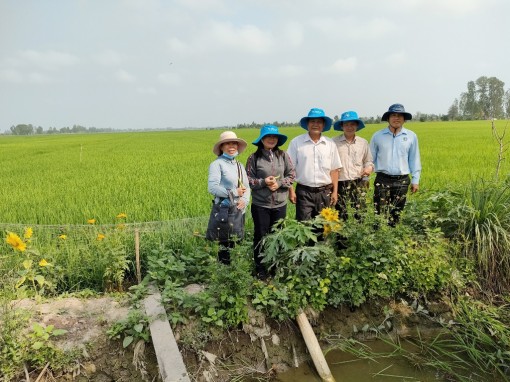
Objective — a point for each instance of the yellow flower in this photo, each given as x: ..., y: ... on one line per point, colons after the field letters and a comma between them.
x: 121, y: 226
x: 327, y: 229
x: 91, y: 221
x: 28, y: 233
x: 330, y: 214
x: 43, y: 263
x: 15, y: 242
x: 122, y: 215
x: 336, y: 227
x: 100, y: 236
x: 63, y: 237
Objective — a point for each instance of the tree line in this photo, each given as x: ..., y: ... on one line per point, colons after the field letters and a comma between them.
x: 484, y: 98
x: 29, y: 129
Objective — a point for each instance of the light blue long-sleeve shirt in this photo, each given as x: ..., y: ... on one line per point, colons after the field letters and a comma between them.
x: 396, y: 155
x: 223, y: 177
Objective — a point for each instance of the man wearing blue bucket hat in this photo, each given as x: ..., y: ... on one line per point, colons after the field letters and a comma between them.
x: 317, y: 164
x: 270, y: 175
x: 396, y: 157
x: 356, y: 160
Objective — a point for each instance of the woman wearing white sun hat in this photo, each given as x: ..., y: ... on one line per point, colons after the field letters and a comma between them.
x: 226, y: 182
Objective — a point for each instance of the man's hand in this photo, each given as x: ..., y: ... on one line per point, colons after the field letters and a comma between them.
x: 333, y: 198
x: 292, y: 195
x: 415, y: 188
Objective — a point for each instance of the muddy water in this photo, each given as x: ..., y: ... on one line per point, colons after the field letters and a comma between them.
x: 346, y: 367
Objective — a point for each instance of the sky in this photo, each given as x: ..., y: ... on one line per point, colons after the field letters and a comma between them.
x: 155, y: 64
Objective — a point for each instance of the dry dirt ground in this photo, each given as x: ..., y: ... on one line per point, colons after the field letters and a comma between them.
x: 261, y: 349
x: 86, y: 322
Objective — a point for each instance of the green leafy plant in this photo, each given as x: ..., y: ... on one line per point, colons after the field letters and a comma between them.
x: 41, y: 347
x: 133, y: 328
x: 325, y: 262
x: 478, y: 219
x: 33, y: 270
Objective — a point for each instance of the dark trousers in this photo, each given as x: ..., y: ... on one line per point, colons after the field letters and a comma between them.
x: 310, y: 201
x: 263, y: 221
x: 390, y: 195
x: 350, y: 193
x: 224, y: 251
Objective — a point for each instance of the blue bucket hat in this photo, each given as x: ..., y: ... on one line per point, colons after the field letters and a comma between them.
x: 316, y: 113
x: 397, y: 108
x: 270, y: 130
x: 348, y: 116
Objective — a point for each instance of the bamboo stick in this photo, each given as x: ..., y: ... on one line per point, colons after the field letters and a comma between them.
x: 137, y: 255
x: 314, y: 348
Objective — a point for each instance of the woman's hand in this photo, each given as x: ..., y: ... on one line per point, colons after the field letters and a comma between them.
x: 241, y: 204
x: 241, y: 190
x: 271, y: 183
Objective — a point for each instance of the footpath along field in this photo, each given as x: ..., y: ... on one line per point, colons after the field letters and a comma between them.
x: 161, y: 176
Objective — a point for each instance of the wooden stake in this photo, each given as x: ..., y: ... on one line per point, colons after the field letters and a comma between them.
x: 314, y: 348
x: 137, y: 254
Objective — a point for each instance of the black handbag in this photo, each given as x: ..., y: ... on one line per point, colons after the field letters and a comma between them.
x: 226, y: 221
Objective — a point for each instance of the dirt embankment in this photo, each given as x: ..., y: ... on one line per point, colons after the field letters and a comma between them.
x: 261, y: 348
x: 86, y: 322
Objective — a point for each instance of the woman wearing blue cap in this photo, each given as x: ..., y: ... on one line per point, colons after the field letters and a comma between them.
x: 356, y: 160
x: 270, y: 174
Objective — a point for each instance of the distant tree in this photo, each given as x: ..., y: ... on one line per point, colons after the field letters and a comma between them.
x: 22, y: 129
x: 506, y: 103
x: 484, y: 99
x: 39, y: 130
x: 453, y: 111
x: 496, y: 95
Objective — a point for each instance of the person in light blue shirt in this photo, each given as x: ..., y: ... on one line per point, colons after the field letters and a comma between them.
x: 226, y: 181
x: 397, y: 163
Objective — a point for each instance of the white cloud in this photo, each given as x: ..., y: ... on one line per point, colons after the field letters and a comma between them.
x: 169, y: 78
x: 202, y: 5
x: 178, y: 46
x: 246, y: 38
x: 108, y: 58
x: 147, y: 90
x: 350, y: 27
x: 293, y: 34
x: 10, y: 75
x: 38, y: 78
x: 343, y: 65
x: 291, y: 70
x: 452, y: 7
x: 396, y: 59
x: 15, y: 76
x: 49, y: 60
x: 124, y: 76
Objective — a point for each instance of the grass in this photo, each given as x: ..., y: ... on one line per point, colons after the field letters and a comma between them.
x: 161, y: 176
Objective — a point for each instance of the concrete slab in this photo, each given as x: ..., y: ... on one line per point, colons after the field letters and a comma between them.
x: 171, y: 365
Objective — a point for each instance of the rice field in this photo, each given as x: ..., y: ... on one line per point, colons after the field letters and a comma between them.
x: 162, y: 176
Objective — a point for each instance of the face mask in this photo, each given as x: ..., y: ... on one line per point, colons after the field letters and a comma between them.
x: 230, y: 156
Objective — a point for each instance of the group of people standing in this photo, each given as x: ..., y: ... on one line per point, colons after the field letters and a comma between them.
x: 327, y: 172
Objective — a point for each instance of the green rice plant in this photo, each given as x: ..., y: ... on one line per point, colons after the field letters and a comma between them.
x: 477, y: 218
x: 161, y: 176
x: 486, y: 232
